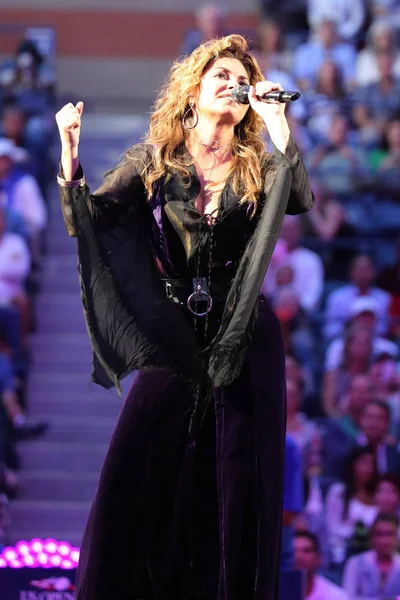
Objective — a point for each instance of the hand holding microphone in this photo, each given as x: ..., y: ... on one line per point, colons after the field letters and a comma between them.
x: 241, y: 94
x: 268, y: 99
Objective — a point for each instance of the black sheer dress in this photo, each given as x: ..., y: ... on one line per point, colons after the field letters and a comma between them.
x: 188, y: 505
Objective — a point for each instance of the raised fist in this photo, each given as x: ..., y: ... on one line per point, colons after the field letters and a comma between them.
x: 69, y: 124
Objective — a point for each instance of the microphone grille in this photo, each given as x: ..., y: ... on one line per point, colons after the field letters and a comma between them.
x: 241, y: 94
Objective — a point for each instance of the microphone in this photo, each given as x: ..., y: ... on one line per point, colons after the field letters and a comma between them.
x: 241, y: 94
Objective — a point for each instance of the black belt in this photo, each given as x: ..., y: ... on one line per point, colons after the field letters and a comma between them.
x: 192, y: 293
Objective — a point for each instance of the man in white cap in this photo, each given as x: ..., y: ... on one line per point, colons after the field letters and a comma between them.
x: 20, y: 193
x: 363, y: 310
x: 15, y: 265
x: 340, y: 301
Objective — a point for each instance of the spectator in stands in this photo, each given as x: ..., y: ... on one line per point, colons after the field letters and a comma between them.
x: 302, y: 375
x: 386, y: 380
x: 297, y: 335
x: 13, y: 127
x: 291, y: 16
x: 275, y: 62
x: 15, y: 424
x: 374, y: 432
x: 20, y: 192
x: 387, y: 177
x: 328, y: 216
x: 292, y: 500
x: 29, y: 81
x: 389, y: 281
x: 29, y: 71
x: 294, y: 370
x: 348, y: 16
x: 386, y: 9
x: 14, y: 265
x: 307, y: 266
x: 350, y: 503
x: 308, y: 57
x: 342, y: 167
x: 22, y: 427
x: 209, y: 25
x: 328, y: 99
x: 356, y: 360
x: 340, y: 434
x: 376, y: 573
x: 363, y: 312
x: 380, y: 39
x: 13, y: 122
x: 303, y: 430
x: 270, y: 46
x: 340, y: 301
x: 307, y: 557
x: 387, y: 494
x: 377, y: 103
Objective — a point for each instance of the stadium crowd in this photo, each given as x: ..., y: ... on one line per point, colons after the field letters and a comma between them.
x: 334, y: 281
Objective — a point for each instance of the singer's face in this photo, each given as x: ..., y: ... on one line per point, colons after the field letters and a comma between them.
x: 215, y: 91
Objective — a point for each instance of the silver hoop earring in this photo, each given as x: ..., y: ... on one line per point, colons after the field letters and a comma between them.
x: 194, y: 117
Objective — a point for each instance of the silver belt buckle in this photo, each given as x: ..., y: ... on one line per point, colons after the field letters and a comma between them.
x: 200, y: 294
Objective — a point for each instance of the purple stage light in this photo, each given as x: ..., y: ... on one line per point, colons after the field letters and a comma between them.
x: 50, y: 546
x: 64, y: 549
x: 42, y: 559
x: 9, y: 554
x: 37, y: 546
x: 55, y: 560
x: 22, y: 547
x: 74, y: 555
x: 29, y: 561
x: 38, y: 553
x: 16, y: 564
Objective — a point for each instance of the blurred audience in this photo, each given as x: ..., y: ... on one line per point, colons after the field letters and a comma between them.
x: 19, y: 191
x: 339, y: 303
x: 350, y: 503
x: 27, y: 97
x: 209, y: 25
x: 374, y: 432
x: 377, y: 103
x: 334, y: 277
x: 342, y: 167
x: 387, y: 494
x: 307, y: 557
x: 326, y: 101
x: 380, y: 39
x: 376, y: 573
x: 355, y: 360
x: 309, y: 57
x: 292, y: 500
x: 307, y: 267
x: 348, y: 16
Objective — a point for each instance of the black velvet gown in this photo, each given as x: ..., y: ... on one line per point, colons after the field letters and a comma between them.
x: 189, y: 501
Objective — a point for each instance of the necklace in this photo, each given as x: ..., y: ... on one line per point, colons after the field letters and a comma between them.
x: 213, y: 146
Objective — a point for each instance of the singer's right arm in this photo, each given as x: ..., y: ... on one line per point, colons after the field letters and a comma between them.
x: 69, y: 161
x: 122, y: 188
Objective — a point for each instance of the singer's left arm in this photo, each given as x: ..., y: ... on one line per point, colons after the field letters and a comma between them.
x: 301, y: 197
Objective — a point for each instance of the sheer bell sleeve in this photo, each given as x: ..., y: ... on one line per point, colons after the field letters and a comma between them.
x: 122, y: 188
x: 301, y: 197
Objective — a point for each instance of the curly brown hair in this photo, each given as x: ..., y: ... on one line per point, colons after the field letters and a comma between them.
x: 167, y: 133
